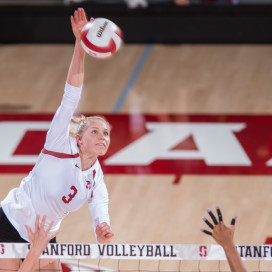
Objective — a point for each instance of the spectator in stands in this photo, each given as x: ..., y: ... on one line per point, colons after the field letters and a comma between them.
x: 182, y: 2
x: 205, y: 2
x: 222, y: 2
x: 136, y: 3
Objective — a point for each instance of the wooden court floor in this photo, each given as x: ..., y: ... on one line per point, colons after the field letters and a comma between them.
x: 174, y: 79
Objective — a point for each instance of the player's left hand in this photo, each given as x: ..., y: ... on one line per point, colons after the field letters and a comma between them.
x: 104, y: 233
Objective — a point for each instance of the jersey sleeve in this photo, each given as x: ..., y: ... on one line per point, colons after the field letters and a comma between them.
x: 98, y: 204
x: 59, y: 128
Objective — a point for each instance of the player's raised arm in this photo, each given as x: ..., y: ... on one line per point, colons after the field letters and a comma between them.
x: 75, y: 75
x: 39, y: 240
x: 223, y: 235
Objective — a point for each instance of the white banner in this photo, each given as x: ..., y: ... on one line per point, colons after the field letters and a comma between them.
x: 137, y: 251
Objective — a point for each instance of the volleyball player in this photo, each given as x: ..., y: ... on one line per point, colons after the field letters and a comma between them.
x: 67, y: 172
x: 39, y: 240
x: 223, y: 235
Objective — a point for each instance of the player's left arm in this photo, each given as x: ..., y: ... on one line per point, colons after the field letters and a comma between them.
x: 98, y: 206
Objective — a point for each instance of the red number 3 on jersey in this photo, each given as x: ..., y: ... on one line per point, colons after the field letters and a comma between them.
x: 70, y: 196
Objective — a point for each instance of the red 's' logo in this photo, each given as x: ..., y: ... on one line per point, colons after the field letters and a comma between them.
x: 203, y: 251
x: 2, y: 250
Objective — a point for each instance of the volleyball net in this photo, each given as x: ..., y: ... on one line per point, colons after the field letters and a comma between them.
x: 144, y: 257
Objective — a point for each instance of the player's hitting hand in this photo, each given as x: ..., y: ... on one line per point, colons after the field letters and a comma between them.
x: 104, y: 233
x: 78, y: 21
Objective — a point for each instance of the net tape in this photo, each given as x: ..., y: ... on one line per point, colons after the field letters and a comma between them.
x: 137, y: 251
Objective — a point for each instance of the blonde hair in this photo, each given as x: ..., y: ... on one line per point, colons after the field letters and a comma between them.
x: 82, y: 122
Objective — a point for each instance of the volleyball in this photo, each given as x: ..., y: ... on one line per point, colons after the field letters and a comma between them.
x: 101, y: 38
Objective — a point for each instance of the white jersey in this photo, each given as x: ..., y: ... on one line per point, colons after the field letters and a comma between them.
x: 57, y: 185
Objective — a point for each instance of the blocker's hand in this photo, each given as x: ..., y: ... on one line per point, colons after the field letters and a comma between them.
x: 222, y: 234
x: 41, y: 237
x: 104, y: 233
x: 78, y: 21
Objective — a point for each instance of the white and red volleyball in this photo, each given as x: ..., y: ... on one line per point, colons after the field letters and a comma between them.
x: 101, y: 38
